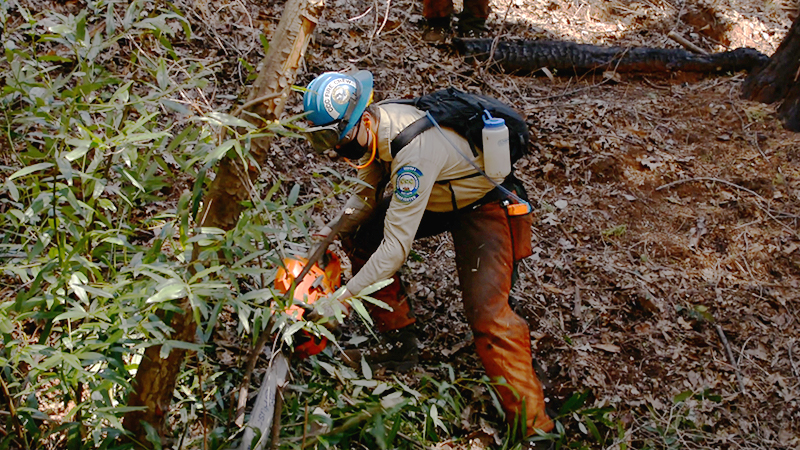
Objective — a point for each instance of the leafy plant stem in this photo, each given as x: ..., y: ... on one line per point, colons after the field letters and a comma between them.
x: 12, y: 409
x: 357, y: 419
x: 202, y: 400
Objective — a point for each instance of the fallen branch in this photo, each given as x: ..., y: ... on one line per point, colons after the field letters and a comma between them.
x: 529, y: 56
x: 731, y: 359
x: 716, y: 180
x: 686, y: 43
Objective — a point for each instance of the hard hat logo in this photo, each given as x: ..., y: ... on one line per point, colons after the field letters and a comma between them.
x: 337, y: 91
x: 334, y: 103
x: 340, y: 95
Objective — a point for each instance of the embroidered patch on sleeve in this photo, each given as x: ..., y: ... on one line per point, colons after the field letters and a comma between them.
x: 407, y: 184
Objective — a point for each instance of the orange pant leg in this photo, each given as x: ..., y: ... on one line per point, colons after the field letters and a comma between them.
x: 485, y: 262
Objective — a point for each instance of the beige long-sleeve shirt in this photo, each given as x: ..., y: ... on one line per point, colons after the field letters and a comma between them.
x: 413, y: 175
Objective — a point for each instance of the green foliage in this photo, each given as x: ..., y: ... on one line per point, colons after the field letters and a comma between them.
x: 617, y: 231
x: 103, y: 167
x: 358, y: 410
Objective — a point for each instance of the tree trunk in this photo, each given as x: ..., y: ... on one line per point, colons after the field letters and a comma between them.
x: 233, y: 182
x: 778, y: 80
x: 156, y: 377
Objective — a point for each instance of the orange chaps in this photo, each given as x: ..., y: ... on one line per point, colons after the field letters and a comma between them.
x: 487, y: 243
x: 435, y: 9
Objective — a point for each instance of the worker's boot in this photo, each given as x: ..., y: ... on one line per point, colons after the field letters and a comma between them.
x: 397, y: 351
x: 435, y: 30
x: 471, y: 26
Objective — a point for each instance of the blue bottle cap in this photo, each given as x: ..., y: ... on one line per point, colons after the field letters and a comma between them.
x: 492, y: 122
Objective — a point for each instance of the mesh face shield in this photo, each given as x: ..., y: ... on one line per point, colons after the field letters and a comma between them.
x: 325, y: 137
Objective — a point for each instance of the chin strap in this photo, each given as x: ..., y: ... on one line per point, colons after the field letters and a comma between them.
x: 374, y: 150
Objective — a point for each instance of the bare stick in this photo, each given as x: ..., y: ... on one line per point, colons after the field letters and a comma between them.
x: 791, y: 360
x: 729, y: 354
x: 254, y: 102
x: 276, y: 419
x: 718, y: 180
x: 687, y: 44
x: 248, y: 373
x: 12, y: 410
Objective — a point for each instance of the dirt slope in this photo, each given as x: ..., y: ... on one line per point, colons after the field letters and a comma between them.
x: 666, y: 214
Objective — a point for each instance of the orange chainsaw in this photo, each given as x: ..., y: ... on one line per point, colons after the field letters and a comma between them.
x: 321, y: 280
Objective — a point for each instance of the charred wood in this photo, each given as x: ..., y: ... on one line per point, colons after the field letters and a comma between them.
x: 526, y: 56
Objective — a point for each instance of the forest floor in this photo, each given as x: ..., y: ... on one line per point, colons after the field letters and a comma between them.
x: 666, y: 214
x: 666, y: 207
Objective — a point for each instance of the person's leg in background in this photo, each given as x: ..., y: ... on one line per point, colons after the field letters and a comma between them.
x: 485, y: 257
x: 472, y: 20
x: 437, y: 19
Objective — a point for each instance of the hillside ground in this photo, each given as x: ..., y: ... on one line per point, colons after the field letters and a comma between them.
x: 666, y: 275
x: 666, y: 223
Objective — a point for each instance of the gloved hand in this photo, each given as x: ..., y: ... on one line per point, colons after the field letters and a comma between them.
x: 330, y: 311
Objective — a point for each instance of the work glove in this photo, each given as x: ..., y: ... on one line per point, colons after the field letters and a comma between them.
x: 330, y: 311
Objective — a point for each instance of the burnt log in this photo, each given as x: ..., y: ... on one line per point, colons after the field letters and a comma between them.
x: 527, y: 56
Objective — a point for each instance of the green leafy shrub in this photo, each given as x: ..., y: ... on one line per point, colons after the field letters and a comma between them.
x: 100, y: 158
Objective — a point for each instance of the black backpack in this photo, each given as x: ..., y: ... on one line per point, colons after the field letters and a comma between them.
x: 463, y: 113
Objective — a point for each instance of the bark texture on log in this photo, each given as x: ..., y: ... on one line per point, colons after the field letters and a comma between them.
x: 233, y: 183
x: 155, y: 380
x: 778, y: 80
x: 530, y: 56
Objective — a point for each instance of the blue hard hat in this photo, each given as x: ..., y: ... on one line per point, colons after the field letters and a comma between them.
x: 328, y: 97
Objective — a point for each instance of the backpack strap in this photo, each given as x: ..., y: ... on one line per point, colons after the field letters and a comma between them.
x: 408, y: 134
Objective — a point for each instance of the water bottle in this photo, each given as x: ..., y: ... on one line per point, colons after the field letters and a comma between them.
x: 496, y: 151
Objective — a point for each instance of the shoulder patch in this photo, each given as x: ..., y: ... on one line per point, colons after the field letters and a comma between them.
x: 407, y: 184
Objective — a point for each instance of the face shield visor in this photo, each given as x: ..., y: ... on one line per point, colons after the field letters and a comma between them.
x: 327, y: 136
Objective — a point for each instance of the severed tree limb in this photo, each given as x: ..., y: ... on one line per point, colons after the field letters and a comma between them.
x: 688, y: 45
x: 731, y: 359
x: 530, y: 56
x: 156, y: 377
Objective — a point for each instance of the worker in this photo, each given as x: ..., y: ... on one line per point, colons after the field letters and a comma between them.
x: 439, y: 13
x: 436, y: 188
